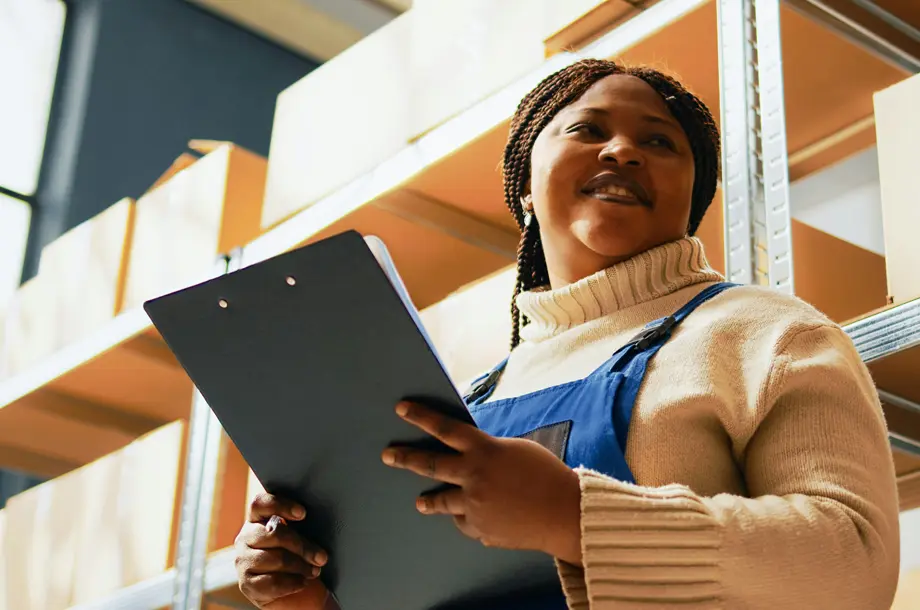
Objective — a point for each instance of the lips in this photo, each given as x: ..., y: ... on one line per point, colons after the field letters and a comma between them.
x: 608, y: 186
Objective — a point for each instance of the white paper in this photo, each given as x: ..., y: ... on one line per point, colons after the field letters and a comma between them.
x: 380, y: 252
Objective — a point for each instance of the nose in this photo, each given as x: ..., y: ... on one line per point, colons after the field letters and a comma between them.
x: 621, y: 151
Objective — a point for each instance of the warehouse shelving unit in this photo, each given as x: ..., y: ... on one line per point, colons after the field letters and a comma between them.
x: 443, y: 188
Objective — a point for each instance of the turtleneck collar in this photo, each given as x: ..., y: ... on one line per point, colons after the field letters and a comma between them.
x: 645, y: 277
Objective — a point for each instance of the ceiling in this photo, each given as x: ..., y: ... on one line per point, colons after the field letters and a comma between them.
x: 320, y: 29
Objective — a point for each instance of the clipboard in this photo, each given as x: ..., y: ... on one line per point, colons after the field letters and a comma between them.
x: 302, y: 358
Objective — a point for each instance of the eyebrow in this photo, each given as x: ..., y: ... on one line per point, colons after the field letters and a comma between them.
x: 648, y: 118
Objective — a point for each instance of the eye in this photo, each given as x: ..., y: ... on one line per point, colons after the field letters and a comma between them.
x: 586, y: 128
x: 663, y: 141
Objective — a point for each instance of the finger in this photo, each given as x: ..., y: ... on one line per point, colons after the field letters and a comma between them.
x: 466, y: 529
x: 448, y: 502
x: 283, y: 537
x: 265, y: 505
x: 265, y: 588
x: 453, y: 433
x: 442, y: 467
x: 270, y: 561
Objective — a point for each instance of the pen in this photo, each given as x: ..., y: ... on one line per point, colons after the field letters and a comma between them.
x: 273, y: 523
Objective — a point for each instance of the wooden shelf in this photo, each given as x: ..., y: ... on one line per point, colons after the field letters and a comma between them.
x: 220, y: 585
x: 438, y: 205
x: 91, y: 398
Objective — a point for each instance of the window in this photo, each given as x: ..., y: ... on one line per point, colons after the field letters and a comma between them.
x: 30, y: 42
x: 14, y: 230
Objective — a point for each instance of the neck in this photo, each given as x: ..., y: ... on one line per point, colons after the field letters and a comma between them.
x: 574, y: 267
x: 636, y: 280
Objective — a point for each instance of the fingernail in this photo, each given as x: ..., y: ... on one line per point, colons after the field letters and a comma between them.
x: 320, y: 557
x: 298, y: 512
x: 402, y: 409
x: 315, y: 571
x: 422, y: 505
x: 389, y: 457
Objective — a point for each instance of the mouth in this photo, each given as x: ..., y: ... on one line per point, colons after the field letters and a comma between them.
x: 614, y: 188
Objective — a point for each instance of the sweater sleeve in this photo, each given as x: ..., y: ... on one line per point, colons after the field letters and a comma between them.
x: 819, y: 528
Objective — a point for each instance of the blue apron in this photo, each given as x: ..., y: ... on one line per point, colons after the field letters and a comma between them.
x: 585, y: 422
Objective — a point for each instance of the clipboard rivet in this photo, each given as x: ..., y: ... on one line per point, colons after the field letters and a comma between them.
x: 223, y: 304
x: 290, y: 280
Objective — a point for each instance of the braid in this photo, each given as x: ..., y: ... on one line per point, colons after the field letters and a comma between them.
x: 543, y: 103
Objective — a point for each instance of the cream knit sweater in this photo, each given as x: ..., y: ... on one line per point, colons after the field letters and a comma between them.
x: 764, y: 474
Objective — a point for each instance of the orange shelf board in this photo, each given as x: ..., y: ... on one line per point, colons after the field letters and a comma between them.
x: 91, y: 398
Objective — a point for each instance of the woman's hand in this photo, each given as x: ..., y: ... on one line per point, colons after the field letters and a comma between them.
x: 278, y: 569
x: 510, y: 493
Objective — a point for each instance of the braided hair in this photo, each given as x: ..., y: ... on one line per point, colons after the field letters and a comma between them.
x: 544, y: 102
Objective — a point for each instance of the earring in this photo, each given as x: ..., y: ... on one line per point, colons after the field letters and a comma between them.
x: 527, y: 205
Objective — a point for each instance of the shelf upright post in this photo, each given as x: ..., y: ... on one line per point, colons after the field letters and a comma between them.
x: 201, y: 474
x: 773, y: 224
x: 755, y: 166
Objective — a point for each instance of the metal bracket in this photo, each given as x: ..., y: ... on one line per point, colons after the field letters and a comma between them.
x: 201, y: 474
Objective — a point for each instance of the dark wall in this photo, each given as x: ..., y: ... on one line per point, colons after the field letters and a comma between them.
x: 137, y: 80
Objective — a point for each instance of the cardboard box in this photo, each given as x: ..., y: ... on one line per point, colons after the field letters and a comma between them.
x: 471, y: 329
x: 87, y: 267
x: 420, y: 70
x: 339, y: 121
x: 462, y: 51
x: 184, y: 223
x: 40, y: 545
x: 99, y: 528
x: 29, y: 326
x: 897, y: 126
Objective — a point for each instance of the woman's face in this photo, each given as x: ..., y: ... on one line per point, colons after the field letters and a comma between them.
x: 611, y: 176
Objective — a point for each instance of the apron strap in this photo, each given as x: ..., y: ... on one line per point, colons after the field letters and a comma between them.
x: 655, y: 334
x: 632, y: 359
x: 660, y: 330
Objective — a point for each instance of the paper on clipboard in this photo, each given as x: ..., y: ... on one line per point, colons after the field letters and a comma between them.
x: 380, y: 252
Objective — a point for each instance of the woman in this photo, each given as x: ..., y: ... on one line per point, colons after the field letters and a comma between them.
x: 671, y: 440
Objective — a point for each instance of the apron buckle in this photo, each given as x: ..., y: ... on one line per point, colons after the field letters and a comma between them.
x: 653, y: 332
x: 483, y: 386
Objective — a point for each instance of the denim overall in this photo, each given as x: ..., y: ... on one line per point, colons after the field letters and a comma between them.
x: 585, y: 422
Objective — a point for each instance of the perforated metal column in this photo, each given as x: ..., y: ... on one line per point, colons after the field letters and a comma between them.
x: 201, y: 479
x: 755, y: 183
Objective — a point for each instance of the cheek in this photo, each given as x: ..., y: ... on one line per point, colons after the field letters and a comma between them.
x: 555, y: 172
x: 675, y: 192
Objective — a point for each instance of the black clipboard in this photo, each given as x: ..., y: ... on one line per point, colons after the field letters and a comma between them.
x: 302, y: 358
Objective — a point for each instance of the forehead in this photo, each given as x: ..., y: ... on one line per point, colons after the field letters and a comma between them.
x: 622, y: 92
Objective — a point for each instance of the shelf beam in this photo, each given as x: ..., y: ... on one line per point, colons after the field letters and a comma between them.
x: 883, y: 37
x: 886, y: 332
x: 151, y: 594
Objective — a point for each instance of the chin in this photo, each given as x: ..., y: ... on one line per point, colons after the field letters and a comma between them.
x: 612, y: 240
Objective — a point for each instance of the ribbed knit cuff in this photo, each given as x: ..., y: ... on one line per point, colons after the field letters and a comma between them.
x: 648, y: 545
x: 573, y: 584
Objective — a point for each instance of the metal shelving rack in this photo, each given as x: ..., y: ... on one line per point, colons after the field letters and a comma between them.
x: 757, y: 230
